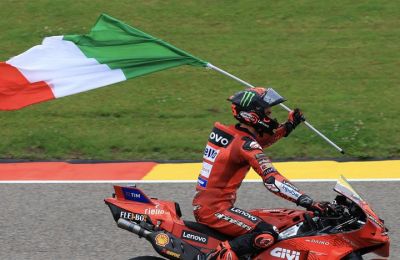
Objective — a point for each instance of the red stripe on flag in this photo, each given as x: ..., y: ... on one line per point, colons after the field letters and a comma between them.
x: 61, y: 171
x: 17, y: 92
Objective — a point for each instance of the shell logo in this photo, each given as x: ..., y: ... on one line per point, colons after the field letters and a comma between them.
x: 162, y: 239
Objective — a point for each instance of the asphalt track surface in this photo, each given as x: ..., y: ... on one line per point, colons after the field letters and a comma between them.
x: 71, y: 221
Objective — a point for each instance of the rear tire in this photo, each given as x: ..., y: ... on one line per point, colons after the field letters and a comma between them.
x: 147, y: 258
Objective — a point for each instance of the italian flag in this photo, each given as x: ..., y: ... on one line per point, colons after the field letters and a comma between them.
x: 65, y: 65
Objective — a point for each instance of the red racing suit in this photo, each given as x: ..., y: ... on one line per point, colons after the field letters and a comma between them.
x: 228, y: 156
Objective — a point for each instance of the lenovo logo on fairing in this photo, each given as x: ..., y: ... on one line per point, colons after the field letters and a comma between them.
x: 285, y: 253
x: 194, y: 237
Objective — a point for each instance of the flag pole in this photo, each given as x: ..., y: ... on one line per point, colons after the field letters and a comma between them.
x: 209, y: 65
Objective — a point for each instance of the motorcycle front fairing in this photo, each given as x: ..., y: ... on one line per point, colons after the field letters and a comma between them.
x: 373, y: 224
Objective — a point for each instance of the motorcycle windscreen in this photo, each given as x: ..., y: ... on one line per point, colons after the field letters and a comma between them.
x: 343, y: 187
x: 273, y: 98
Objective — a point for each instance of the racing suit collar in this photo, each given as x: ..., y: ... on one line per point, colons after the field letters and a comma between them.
x: 238, y: 127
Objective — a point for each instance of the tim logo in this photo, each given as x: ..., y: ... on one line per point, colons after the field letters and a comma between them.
x: 134, y: 195
x: 220, y: 138
x: 285, y: 253
x: 210, y: 154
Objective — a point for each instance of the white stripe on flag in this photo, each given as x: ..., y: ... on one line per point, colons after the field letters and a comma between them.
x: 64, y: 67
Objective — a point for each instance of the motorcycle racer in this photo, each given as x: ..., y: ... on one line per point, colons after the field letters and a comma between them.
x: 228, y: 156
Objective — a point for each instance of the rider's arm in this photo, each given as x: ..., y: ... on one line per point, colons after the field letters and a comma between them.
x: 294, y: 119
x: 273, y: 180
x: 268, y: 140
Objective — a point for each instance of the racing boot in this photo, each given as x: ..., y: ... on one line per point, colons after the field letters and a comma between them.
x: 223, y: 252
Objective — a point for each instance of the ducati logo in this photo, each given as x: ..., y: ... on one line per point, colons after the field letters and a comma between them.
x: 285, y: 253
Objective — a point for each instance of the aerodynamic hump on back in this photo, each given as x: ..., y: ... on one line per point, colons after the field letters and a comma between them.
x: 131, y: 194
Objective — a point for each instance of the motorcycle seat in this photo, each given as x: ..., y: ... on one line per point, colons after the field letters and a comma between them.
x: 206, y: 230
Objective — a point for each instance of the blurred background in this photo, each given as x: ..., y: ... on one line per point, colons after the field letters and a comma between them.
x: 337, y: 60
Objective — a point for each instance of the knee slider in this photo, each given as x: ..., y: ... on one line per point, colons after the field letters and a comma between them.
x: 263, y: 240
x: 264, y: 227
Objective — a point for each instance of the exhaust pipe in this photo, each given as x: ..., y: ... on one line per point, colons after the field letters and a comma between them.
x: 173, y: 245
x: 134, y: 228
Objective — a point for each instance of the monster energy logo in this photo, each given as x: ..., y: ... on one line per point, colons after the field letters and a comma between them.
x: 246, y: 99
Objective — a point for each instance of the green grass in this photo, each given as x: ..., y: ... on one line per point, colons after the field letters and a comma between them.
x: 337, y: 60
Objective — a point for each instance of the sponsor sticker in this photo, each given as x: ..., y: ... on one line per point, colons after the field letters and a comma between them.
x: 284, y: 253
x: 263, y: 241
x: 202, y: 182
x: 220, y: 138
x: 269, y: 170
x: 233, y: 221
x: 251, y: 144
x: 134, y: 195
x: 245, y: 214
x: 290, y: 185
x: 206, y: 169
x: 132, y: 216
x: 154, y: 211
x: 261, y: 156
x: 161, y: 239
x: 249, y: 117
x: 210, y: 154
x: 267, y: 165
x: 193, y: 236
x: 246, y: 99
x: 288, y: 190
x: 171, y: 253
x: 263, y: 161
x: 319, y: 242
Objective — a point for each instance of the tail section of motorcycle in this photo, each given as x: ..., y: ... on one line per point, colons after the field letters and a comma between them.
x: 160, y: 223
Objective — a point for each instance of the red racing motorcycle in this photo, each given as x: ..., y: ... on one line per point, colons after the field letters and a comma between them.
x: 350, y: 231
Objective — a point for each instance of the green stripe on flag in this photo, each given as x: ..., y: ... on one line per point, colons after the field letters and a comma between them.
x: 121, y: 46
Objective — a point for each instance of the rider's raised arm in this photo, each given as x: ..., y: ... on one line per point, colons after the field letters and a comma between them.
x: 268, y: 140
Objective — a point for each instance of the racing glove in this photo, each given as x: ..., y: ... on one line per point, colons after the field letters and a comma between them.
x: 322, y: 207
x: 294, y: 119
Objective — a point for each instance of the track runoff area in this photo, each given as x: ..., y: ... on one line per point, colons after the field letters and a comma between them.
x: 152, y: 172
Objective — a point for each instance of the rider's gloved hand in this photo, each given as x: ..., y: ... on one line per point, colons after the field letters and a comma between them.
x: 322, y: 207
x: 294, y: 119
x: 305, y: 201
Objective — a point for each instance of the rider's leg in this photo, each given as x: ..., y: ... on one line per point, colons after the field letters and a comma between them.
x: 262, y: 237
x: 252, y: 233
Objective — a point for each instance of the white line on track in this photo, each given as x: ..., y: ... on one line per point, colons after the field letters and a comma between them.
x: 175, y: 181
